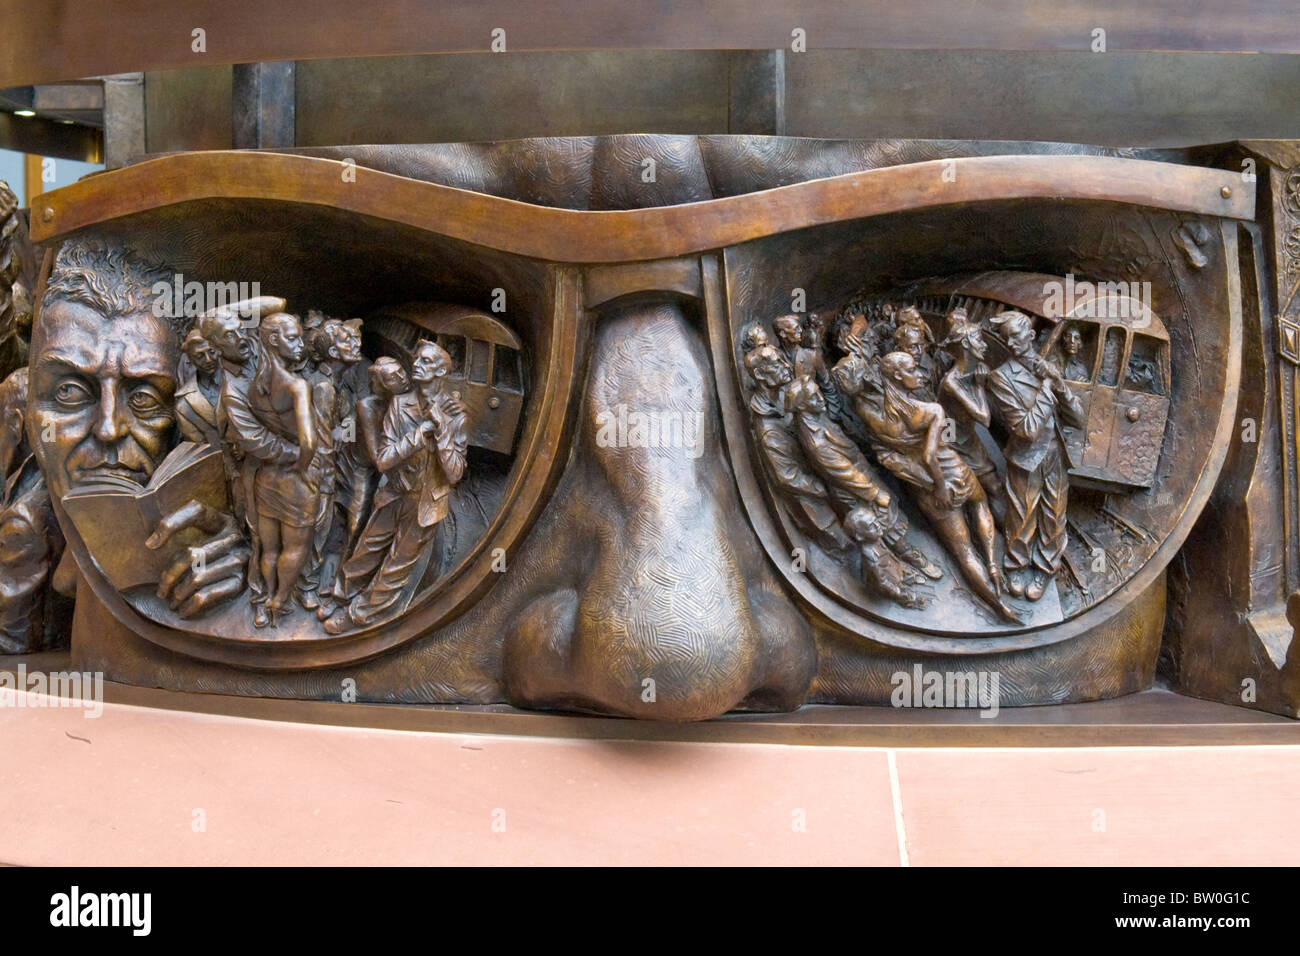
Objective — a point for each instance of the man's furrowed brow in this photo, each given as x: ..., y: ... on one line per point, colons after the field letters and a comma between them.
x: 147, y: 366
x: 65, y: 360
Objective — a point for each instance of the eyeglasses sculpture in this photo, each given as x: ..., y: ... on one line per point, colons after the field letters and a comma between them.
x: 661, y: 426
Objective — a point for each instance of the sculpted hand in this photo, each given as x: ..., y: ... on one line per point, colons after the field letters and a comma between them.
x: 203, y: 575
x: 451, y: 405
x: 944, y: 495
x: 1051, y: 374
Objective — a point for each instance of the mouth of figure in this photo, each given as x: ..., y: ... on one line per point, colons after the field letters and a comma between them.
x: 84, y: 475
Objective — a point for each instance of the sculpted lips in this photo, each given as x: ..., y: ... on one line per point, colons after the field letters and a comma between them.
x: 80, y: 475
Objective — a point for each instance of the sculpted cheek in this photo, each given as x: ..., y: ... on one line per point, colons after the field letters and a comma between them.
x: 147, y: 442
x: 52, y: 433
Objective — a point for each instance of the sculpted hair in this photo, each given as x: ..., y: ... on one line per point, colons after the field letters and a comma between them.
x: 753, y: 337
x: 279, y: 322
x: 321, y: 338
x: 909, y: 331
x: 895, y: 362
x: 109, y: 279
x: 960, y: 328
x: 192, y: 337
x: 765, y: 356
x: 862, y: 523
x: 788, y: 323
x: 380, y: 367
x: 1012, y: 320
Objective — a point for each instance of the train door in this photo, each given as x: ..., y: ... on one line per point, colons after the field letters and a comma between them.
x: 1118, y: 367
x: 1141, y: 408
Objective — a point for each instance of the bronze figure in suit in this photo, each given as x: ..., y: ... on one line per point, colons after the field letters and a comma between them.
x: 962, y: 394
x: 197, y: 398
x: 421, y: 456
x: 1029, y: 393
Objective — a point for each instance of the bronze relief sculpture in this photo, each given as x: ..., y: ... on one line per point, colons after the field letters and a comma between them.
x: 685, y: 456
x: 292, y: 489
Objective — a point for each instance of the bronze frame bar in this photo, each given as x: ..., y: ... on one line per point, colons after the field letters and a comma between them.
x: 635, y: 235
x: 46, y: 41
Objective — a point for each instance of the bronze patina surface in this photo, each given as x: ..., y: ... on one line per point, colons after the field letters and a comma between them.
x: 658, y: 426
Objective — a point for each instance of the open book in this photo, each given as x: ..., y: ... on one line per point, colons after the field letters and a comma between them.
x: 115, y: 516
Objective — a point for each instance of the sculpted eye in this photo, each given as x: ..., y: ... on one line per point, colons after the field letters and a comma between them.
x: 145, y: 401
x: 72, y: 394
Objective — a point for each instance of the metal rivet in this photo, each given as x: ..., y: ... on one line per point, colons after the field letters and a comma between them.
x: 494, y: 402
x: 1134, y: 414
x: 1225, y: 192
x: 47, y: 213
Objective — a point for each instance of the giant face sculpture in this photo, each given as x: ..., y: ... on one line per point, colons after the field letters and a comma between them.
x: 103, y: 373
x: 825, y: 527
x: 101, y: 407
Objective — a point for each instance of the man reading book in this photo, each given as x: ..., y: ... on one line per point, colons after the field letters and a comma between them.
x: 103, y: 384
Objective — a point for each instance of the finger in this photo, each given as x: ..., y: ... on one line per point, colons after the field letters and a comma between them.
x: 229, y: 566
x: 183, y: 517
x: 194, y: 559
x: 182, y: 565
x: 217, y: 548
x: 193, y: 514
x: 211, y: 596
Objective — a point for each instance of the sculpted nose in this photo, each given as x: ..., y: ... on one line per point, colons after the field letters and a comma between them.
x: 672, y: 612
x: 110, y: 423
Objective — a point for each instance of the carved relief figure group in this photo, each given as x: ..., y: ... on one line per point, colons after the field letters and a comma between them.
x: 337, y: 471
x: 897, y: 399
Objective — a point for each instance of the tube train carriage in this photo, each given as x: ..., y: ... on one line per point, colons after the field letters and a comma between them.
x: 487, y: 372
x: 1123, y: 385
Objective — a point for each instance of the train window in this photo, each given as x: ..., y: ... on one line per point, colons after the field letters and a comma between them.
x: 455, y: 347
x: 477, y: 363
x: 506, y: 372
x: 1075, y: 351
x: 1111, y: 356
x: 1146, y: 366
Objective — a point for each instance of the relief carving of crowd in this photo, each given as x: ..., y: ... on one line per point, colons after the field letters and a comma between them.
x: 269, y: 459
x: 894, y: 397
